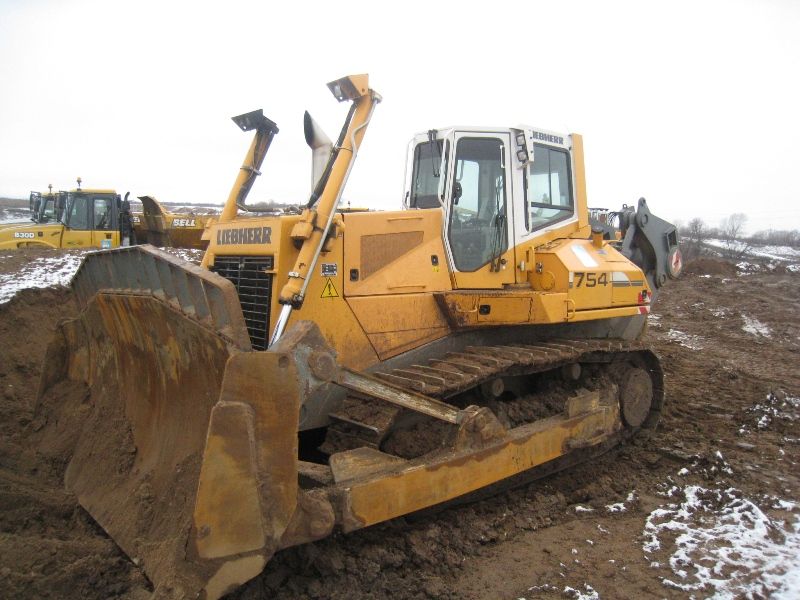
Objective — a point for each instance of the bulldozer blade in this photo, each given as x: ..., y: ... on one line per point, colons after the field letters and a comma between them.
x: 183, y: 443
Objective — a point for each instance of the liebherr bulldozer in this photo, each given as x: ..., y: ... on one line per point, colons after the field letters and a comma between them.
x: 326, y: 371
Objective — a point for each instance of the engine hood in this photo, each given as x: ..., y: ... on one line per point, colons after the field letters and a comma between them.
x: 15, y: 235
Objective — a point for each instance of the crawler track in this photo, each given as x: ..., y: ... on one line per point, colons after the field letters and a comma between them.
x: 472, y: 372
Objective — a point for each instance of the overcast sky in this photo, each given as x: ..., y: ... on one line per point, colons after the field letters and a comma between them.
x: 693, y: 105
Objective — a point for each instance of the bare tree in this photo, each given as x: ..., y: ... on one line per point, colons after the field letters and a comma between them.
x: 731, y: 231
x: 693, y: 235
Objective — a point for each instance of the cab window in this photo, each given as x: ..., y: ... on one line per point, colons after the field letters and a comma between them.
x: 549, y: 188
x: 102, y: 213
x: 478, y: 228
x: 426, y: 177
x: 78, y: 215
x: 49, y: 211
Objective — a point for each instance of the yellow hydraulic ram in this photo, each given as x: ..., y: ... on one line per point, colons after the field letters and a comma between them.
x: 315, y: 225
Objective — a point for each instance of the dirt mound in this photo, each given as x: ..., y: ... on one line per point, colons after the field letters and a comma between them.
x: 710, y: 266
x: 26, y: 325
x: 49, y: 547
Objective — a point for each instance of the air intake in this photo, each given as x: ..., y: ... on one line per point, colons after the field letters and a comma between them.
x: 254, y: 285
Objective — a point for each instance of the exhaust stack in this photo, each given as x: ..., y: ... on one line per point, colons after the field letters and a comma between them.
x: 321, y: 148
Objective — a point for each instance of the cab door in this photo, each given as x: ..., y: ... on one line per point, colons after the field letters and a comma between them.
x: 105, y: 230
x: 77, y: 233
x: 479, y: 216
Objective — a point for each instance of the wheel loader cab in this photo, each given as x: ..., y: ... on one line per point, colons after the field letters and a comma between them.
x: 503, y: 192
x: 46, y: 208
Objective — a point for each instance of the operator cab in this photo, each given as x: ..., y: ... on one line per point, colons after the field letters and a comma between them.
x: 101, y: 214
x: 91, y: 210
x: 500, y: 189
x: 45, y: 207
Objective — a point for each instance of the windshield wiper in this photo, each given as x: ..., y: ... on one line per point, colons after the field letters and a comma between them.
x: 435, y: 144
x: 499, y: 224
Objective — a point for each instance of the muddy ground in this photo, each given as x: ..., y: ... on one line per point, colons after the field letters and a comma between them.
x: 730, y: 346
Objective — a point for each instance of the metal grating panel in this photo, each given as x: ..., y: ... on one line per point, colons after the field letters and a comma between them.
x: 254, y: 286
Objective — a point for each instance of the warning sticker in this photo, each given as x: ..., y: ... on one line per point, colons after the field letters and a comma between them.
x: 329, y: 291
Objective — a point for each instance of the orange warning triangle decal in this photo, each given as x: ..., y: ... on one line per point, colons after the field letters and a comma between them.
x: 329, y: 291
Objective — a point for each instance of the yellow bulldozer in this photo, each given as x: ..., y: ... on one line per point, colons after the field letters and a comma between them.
x: 326, y: 371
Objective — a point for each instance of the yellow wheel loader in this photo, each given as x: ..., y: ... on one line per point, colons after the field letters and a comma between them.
x: 327, y: 371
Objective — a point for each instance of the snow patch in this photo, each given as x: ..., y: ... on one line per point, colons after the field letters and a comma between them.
x: 778, y: 253
x: 693, y: 342
x: 778, y: 406
x: 42, y: 272
x: 725, y: 545
x: 51, y: 271
x: 755, y: 327
x: 588, y: 594
x: 191, y: 255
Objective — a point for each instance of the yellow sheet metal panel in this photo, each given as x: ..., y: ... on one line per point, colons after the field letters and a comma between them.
x: 593, y: 277
x: 398, y: 323
x: 393, y: 343
x: 395, y: 253
x: 407, y: 312
x: 20, y: 235
x: 475, y: 308
x: 325, y: 304
x: 550, y: 308
x: 499, y: 310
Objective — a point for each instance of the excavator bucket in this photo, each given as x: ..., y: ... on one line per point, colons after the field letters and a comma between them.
x: 165, y: 409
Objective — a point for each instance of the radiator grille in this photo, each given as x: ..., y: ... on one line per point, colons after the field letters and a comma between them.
x: 254, y: 286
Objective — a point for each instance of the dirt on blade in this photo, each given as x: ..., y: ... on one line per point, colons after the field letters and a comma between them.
x: 730, y: 346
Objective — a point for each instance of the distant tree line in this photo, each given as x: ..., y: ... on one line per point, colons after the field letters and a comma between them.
x: 730, y: 231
